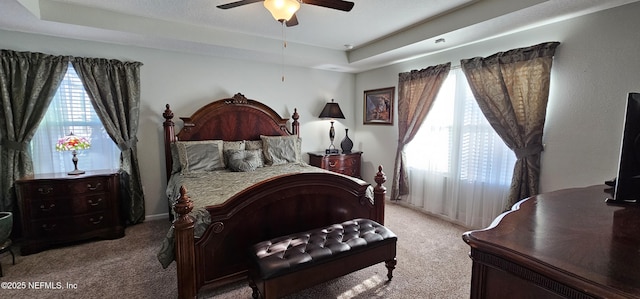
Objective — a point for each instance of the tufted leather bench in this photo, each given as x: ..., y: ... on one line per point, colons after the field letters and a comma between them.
x: 288, y: 264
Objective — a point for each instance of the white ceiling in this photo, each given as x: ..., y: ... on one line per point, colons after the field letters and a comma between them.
x: 381, y: 32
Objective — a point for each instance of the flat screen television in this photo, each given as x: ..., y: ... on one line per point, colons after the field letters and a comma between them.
x: 627, y: 183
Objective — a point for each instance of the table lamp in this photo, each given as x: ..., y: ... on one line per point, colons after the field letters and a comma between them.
x: 73, y: 143
x: 331, y: 111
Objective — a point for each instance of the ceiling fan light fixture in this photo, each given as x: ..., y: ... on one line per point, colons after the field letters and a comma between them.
x: 282, y: 10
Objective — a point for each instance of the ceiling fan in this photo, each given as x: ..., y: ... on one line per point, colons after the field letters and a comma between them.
x: 289, y: 18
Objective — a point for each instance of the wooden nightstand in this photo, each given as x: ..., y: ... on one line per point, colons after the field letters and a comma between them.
x: 348, y: 164
x: 59, y: 208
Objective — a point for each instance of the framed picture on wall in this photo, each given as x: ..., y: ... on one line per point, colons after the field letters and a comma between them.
x: 378, y: 106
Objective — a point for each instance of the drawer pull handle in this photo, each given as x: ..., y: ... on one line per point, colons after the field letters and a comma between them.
x: 45, y: 190
x: 47, y: 209
x: 96, y: 221
x: 93, y: 188
x: 48, y: 227
x: 333, y: 164
x: 91, y: 202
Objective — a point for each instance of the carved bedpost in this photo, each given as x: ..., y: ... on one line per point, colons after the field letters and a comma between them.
x: 295, y: 126
x: 169, y: 137
x: 184, y: 246
x: 379, y: 192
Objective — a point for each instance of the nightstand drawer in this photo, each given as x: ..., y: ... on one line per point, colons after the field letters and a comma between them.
x: 345, y: 163
x: 338, y: 163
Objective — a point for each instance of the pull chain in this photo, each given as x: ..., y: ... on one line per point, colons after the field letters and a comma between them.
x: 284, y: 46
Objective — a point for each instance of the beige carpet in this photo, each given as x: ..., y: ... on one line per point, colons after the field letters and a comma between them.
x: 433, y: 262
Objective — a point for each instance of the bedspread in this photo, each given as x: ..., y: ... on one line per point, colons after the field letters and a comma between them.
x: 214, y: 188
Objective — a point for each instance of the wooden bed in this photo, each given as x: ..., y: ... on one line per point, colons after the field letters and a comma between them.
x: 281, y: 205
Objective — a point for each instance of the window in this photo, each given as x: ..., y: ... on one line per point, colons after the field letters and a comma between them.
x: 71, y: 111
x: 458, y: 166
x: 457, y: 140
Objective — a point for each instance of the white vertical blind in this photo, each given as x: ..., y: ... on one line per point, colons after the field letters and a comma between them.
x: 71, y: 111
x: 459, y: 167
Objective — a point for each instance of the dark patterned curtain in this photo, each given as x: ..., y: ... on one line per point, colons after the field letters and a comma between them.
x: 28, y: 82
x: 114, y: 90
x: 417, y: 90
x: 512, y: 90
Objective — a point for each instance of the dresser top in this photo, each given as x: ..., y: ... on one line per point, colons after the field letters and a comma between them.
x: 65, y: 176
x: 572, y: 236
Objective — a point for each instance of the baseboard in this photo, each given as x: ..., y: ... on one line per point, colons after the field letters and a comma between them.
x: 157, y: 216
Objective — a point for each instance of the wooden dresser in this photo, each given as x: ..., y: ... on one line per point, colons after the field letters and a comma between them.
x: 60, y: 208
x: 348, y: 164
x: 563, y: 244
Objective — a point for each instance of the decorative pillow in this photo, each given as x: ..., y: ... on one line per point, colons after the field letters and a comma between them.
x: 200, y: 156
x: 244, y: 160
x: 279, y: 150
x: 253, y: 144
x: 231, y: 145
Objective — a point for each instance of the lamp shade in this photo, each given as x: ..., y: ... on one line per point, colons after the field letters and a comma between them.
x: 331, y: 110
x: 72, y: 142
x: 282, y: 10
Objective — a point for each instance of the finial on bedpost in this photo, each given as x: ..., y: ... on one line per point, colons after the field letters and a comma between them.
x: 168, y: 116
x: 296, y: 125
x: 379, y: 192
x: 169, y: 137
x: 184, y: 205
x: 184, y: 246
x: 380, y: 179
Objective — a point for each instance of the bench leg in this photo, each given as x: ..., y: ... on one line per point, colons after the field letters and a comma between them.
x: 390, y: 264
x: 255, y: 294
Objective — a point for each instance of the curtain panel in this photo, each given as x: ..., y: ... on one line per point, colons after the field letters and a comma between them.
x: 417, y: 90
x: 114, y: 89
x: 28, y: 82
x: 512, y: 90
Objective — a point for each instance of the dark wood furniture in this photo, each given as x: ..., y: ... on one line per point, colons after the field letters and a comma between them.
x: 288, y: 264
x: 275, y: 207
x: 348, y: 164
x: 60, y: 208
x: 562, y: 244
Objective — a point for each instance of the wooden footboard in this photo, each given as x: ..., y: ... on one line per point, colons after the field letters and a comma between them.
x: 279, y: 206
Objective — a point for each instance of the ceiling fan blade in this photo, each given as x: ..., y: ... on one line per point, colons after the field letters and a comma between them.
x: 237, y: 3
x: 293, y: 21
x: 335, y: 4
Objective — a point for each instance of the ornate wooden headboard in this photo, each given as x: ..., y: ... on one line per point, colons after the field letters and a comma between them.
x: 230, y: 119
